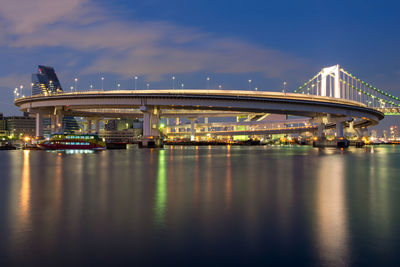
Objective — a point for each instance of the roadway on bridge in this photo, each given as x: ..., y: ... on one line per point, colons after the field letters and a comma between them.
x: 200, y: 100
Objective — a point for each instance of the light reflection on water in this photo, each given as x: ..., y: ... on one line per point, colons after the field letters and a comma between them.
x: 222, y: 205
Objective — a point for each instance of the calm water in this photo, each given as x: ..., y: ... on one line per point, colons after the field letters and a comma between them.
x: 201, y: 206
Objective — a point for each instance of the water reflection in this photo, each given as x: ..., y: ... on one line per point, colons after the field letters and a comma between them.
x: 331, y: 211
x: 25, y: 192
x: 223, y: 205
x: 161, y: 191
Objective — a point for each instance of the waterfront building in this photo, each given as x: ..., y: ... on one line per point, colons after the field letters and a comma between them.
x: 19, y: 126
x: 394, y: 132
x: 374, y: 133
x: 3, y: 123
x: 385, y: 134
x: 122, y: 130
x: 45, y: 82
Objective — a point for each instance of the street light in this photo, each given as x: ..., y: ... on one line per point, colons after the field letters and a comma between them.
x: 173, y: 82
x: 91, y: 87
x: 119, y: 85
x: 284, y: 87
x: 208, y: 82
x: 219, y: 86
x: 21, y: 87
x: 76, y: 83
x: 102, y: 83
x: 249, y: 85
x: 256, y: 89
x: 182, y: 85
x: 136, y: 77
x: 72, y: 88
x: 147, y: 86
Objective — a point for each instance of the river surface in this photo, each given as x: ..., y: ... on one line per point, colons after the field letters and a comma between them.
x: 201, y: 206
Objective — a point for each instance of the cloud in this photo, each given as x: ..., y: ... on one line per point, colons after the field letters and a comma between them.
x: 125, y: 47
x: 8, y: 82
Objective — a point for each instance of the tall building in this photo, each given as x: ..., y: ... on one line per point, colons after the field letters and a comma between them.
x: 385, y: 134
x: 394, y: 132
x: 45, y: 82
x: 374, y: 133
x: 3, y: 125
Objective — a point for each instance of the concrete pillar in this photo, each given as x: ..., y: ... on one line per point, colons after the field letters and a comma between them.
x: 321, y: 128
x: 53, y: 124
x: 151, y: 135
x: 339, y: 129
x: 168, y: 129
x: 192, y: 130
x: 177, y: 123
x: 59, y: 122
x: 206, y: 121
x: 39, y: 125
x: 89, y: 126
x: 97, y: 125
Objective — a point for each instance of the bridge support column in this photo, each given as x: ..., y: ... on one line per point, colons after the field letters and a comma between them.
x: 151, y: 134
x: 59, y: 122
x: 89, y: 126
x: 320, y: 133
x: 192, y: 130
x: 339, y: 129
x: 39, y: 125
x: 97, y: 125
x: 53, y: 124
x: 206, y: 122
x: 167, y: 128
x: 177, y: 124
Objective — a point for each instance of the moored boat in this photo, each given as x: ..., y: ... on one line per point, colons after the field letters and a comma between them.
x: 72, y: 141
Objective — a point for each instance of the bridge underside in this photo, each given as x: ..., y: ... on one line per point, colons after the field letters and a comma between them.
x: 154, y: 104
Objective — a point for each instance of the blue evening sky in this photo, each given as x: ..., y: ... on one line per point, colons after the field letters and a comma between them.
x: 230, y: 41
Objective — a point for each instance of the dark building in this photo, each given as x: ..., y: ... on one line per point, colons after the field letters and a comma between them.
x: 3, y: 125
x: 17, y: 126
x: 45, y: 82
x: 70, y: 125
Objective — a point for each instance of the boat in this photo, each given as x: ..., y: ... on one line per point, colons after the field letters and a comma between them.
x: 72, y: 141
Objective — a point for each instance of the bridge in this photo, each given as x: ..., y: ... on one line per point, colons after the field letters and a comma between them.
x: 332, y: 98
x: 336, y: 82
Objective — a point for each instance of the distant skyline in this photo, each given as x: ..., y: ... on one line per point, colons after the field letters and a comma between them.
x: 229, y: 41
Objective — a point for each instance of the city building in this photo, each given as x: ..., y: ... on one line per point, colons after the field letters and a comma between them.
x: 3, y: 126
x: 394, y: 132
x: 385, y: 134
x: 17, y: 126
x: 122, y: 130
x: 45, y: 82
x: 374, y: 133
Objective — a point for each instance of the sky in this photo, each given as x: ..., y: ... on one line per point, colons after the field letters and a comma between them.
x: 231, y: 41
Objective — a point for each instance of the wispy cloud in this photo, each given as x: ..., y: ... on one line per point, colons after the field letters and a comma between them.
x: 125, y: 47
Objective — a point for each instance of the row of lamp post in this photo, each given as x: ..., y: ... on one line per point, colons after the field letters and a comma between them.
x: 17, y: 92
